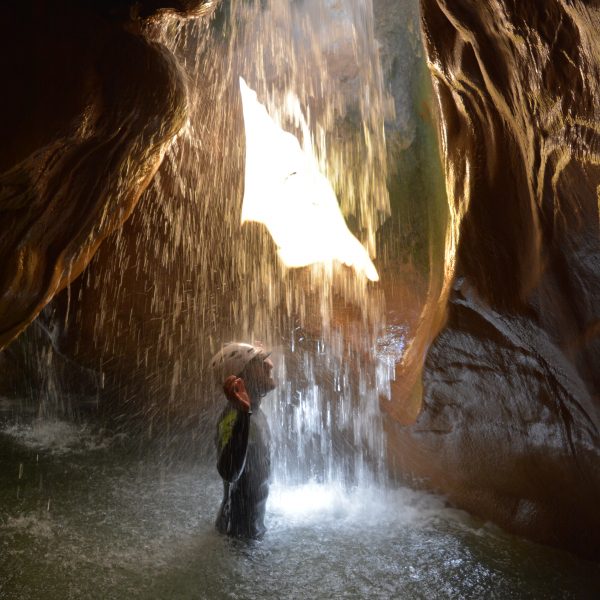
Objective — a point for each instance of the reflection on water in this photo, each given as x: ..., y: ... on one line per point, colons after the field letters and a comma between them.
x: 108, y: 519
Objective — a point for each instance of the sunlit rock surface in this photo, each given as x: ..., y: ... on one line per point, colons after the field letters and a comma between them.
x: 511, y: 407
x: 86, y: 117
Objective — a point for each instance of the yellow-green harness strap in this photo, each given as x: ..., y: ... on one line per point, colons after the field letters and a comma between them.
x: 226, y: 428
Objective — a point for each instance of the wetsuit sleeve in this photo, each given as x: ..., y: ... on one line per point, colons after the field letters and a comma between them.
x: 232, y: 444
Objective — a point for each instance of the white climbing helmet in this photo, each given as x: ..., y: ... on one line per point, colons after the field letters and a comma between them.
x: 232, y: 358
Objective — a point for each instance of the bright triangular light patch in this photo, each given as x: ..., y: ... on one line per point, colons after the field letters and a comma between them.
x: 285, y: 190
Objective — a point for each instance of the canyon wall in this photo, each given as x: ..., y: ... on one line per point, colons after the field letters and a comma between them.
x: 89, y: 109
x: 510, y: 413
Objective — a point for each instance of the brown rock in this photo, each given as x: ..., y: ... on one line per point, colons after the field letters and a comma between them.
x: 509, y: 426
x: 91, y: 109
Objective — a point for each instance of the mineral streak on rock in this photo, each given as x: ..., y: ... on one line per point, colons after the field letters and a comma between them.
x: 91, y: 108
x: 511, y: 405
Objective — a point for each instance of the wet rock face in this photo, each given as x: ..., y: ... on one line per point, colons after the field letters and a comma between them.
x: 511, y: 410
x: 511, y: 428
x: 89, y: 110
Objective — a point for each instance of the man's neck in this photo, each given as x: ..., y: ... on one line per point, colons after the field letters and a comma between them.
x: 255, y: 397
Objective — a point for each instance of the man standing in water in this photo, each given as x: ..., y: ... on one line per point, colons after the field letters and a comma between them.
x: 243, y: 438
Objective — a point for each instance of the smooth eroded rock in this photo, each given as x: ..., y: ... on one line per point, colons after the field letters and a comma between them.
x: 509, y: 426
x: 91, y: 109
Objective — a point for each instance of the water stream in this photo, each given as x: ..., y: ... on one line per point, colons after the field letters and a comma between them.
x: 87, y: 515
x: 315, y: 68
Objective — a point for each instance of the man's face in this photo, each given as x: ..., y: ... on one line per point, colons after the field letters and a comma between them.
x: 258, y: 375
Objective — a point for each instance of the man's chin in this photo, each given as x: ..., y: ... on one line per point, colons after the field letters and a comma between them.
x: 268, y: 387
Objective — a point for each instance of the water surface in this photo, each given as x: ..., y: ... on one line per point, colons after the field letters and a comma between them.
x: 88, y: 515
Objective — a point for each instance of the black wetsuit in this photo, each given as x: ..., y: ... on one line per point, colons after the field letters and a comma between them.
x: 244, y: 463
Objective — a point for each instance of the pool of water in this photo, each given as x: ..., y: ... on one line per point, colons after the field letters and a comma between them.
x: 88, y: 515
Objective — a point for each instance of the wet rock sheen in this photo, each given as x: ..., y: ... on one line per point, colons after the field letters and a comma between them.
x: 511, y: 409
x: 90, y: 109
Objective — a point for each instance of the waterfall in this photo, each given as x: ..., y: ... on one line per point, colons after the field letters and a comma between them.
x: 324, y: 320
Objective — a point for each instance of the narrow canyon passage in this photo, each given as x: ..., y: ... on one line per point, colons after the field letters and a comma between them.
x: 398, y: 200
